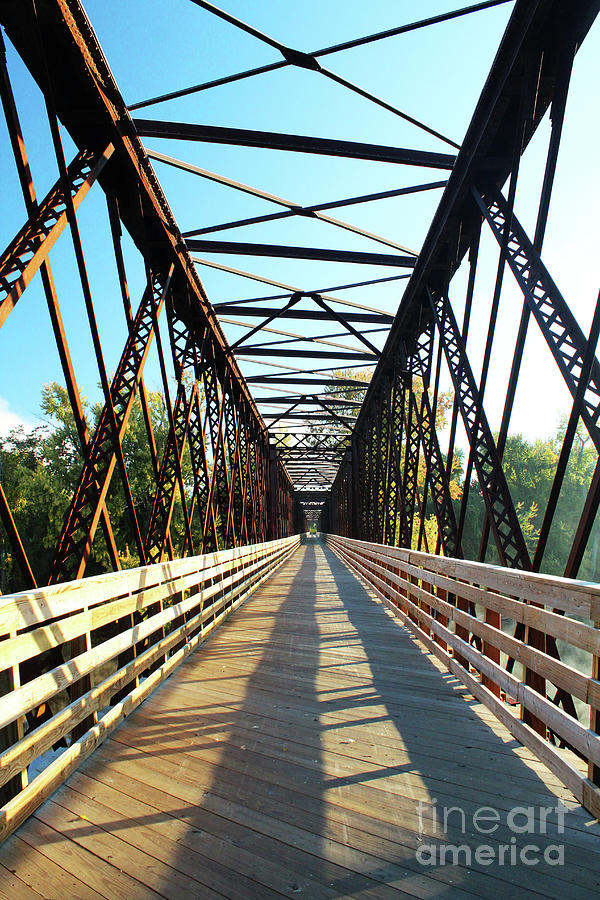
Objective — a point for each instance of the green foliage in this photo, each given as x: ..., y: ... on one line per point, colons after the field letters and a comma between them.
x: 40, y: 470
x: 335, y: 430
x: 530, y: 468
x: 37, y: 496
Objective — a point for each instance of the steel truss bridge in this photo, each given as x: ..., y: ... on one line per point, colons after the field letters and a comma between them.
x: 294, y: 407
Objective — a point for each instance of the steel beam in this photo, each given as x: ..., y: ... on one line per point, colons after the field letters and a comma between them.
x: 277, y: 250
x: 241, y: 137
x: 496, y: 494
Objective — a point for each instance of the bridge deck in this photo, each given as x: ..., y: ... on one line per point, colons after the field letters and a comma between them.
x: 288, y: 757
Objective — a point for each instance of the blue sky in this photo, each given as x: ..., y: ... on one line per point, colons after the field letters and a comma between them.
x: 435, y: 74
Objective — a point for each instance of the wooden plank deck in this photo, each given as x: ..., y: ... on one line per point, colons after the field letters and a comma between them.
x: 303, y: 751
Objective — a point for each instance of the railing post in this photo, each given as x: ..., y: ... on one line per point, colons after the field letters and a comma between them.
x: 428, y: 610
x: 594, y: 770
x: 442, y: 593
x: 11, y: 734
x: 81, y: 687
x: 491, y: 651
x: 273, y: 498
x: 461, y: 631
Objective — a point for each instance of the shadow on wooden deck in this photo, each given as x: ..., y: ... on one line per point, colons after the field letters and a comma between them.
x: 310, y: 749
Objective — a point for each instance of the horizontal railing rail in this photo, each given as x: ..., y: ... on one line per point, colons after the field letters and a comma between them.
x: 104, y: 643
x: 493, y: 627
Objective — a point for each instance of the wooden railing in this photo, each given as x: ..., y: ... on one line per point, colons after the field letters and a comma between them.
x: 523, y: 643
x: 110, y: 639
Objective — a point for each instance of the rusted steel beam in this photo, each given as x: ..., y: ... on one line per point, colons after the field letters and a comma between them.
x: 31, y: 205
x: 557, y: 114
x: 82, y: 79
x: 231, y: 424
x: 292, y: 142
x: 411, y: 467
x: 534, y: 30
x: 215, y: 409
x: 164, y: 499
x: 558, y: 325
x: 243, y: 248
x: 78, y: 531
x: 395, y: 497
x: 87, y: 296
x: 170, y: 476
x: 200, y: 467
x: 496, y: 494
x: 292, y: 207
x: 357, y: 355
x: 31, y: 246
x: 438, y: 480
x: 116, y: 233
x: 383, y: 476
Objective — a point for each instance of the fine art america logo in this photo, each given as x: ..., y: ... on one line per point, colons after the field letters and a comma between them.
x: 525, y: 824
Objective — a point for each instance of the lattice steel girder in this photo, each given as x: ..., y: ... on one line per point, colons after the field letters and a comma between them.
x: 390, y: 496
x: 200, y: 470
x: 396, y: 496
x: 365, y: 445
x: 81, y: 80
x: 411, y: 466
x: 254, y: 495
x: 82, y: 518
x: 164, y: 499
x: 31, y: 246
x: 535, y: 32
x: 438, y: 480
x: 183, y: 350
x: 419, y: 355
x: 226, y: 484
x: 234, y: 500
x: 558, y: 325
x: 219, y: 483
x: 33, y: 211
x: 358, y: 449
x: 244, y: 470
x: 496, y: 494
x: 383, y: 441
x: 75, y: 76
x: 373, y: 451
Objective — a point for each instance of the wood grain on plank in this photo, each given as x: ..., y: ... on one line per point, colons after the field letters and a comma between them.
x: 289, y: 757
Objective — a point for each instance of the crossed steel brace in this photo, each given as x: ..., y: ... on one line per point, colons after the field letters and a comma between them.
x: 228, y: 498
x: 501, y: 512
x: 393, y: 472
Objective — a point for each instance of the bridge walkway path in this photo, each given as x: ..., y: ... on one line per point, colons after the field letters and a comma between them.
x: 311, y: 747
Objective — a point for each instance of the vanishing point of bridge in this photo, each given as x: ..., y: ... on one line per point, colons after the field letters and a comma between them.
x: 200, y: 694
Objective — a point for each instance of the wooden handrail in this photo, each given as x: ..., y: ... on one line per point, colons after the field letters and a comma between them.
x: 447, y: 603
x: 141, y: 624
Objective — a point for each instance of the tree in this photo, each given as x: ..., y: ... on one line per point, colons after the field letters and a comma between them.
x: 40, y: 470
x: 37, y: 498
x: 326, y: 431
x: 530, y: 467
